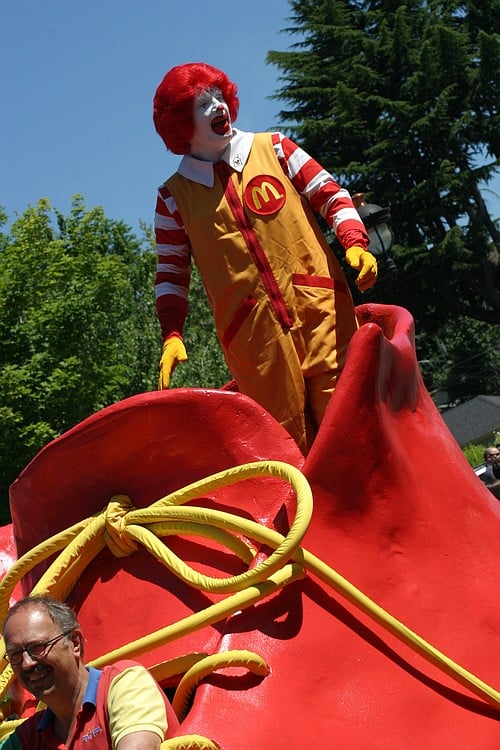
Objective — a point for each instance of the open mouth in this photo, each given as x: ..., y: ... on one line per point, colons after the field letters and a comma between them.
x: 220, y: 125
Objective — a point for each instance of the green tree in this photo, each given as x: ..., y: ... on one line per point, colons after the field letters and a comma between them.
x: 401, y: 101
x: 205, y: 366
x: 450, y: 363
x: 78, y: 327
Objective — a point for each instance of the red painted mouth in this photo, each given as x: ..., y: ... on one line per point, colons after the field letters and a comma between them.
x: 221, y: 125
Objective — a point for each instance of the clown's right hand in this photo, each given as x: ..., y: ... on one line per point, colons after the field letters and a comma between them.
x: 173, y: 351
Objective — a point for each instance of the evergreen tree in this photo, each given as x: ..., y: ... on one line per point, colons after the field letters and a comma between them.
x: 401, y: 101
x: 450, y: 363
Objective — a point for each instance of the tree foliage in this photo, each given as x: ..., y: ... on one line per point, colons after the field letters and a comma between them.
x: 462, y: 361
x: 78, y: 327
x: 205, y: 366
x: 401, y: 101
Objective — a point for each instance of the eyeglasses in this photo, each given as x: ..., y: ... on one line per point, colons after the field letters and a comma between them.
x: 36, y: 650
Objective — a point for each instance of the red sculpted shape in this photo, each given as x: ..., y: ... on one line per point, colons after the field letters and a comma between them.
x: 397, y: 511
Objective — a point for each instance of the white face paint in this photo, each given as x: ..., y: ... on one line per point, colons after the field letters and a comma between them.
x: 212, y: 125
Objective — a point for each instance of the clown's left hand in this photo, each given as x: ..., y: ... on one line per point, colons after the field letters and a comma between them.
x: 365, y: 263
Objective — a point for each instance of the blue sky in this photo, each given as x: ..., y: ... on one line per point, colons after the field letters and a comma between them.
x: 78, y: 78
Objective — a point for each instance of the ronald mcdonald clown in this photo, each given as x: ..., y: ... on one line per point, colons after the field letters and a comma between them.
x: 242, y: 205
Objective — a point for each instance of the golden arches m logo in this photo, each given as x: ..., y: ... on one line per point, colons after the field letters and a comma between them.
x: 265, y: 195
x: 266, y: 191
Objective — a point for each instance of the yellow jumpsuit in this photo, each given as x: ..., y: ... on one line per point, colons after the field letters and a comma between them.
x: 283, y: 311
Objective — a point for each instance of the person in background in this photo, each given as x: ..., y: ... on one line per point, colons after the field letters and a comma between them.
x: 243, y: 206
x: 491, y: 476
x: 119, y: 707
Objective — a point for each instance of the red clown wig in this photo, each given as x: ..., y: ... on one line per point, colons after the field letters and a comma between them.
x: 174, y: 100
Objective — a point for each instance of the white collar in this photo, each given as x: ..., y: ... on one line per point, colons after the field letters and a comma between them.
x: 236, y: 155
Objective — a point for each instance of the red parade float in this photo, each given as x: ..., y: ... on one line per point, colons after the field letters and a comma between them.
x: 349, y: 599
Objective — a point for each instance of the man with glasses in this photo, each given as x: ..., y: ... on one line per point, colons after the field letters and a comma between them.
x: 491, y: 476
x: 119, y: 707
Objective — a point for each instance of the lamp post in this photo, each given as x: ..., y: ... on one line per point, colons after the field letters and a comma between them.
x: 375, y: 218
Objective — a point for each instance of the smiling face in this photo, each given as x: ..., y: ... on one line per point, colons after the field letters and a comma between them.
x: 53, y: 676
x: 212, y: 125
x: 492, y: 456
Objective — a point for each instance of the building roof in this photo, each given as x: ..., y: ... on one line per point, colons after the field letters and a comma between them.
x: 474, y: 421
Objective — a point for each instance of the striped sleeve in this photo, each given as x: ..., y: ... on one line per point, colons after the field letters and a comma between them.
x: 324, y: 195
x: 173, y: 267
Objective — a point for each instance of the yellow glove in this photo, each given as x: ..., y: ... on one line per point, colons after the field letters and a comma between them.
x: 365, y: 263
x: 173, y: 351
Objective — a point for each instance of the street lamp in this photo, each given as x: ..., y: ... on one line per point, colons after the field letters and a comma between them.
x: 375, y: 218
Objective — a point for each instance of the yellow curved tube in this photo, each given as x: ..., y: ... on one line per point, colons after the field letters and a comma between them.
x: 204, y: 667
x: 209, y: 616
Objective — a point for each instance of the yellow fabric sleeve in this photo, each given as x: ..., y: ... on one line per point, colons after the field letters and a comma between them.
x: 135, y: 705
